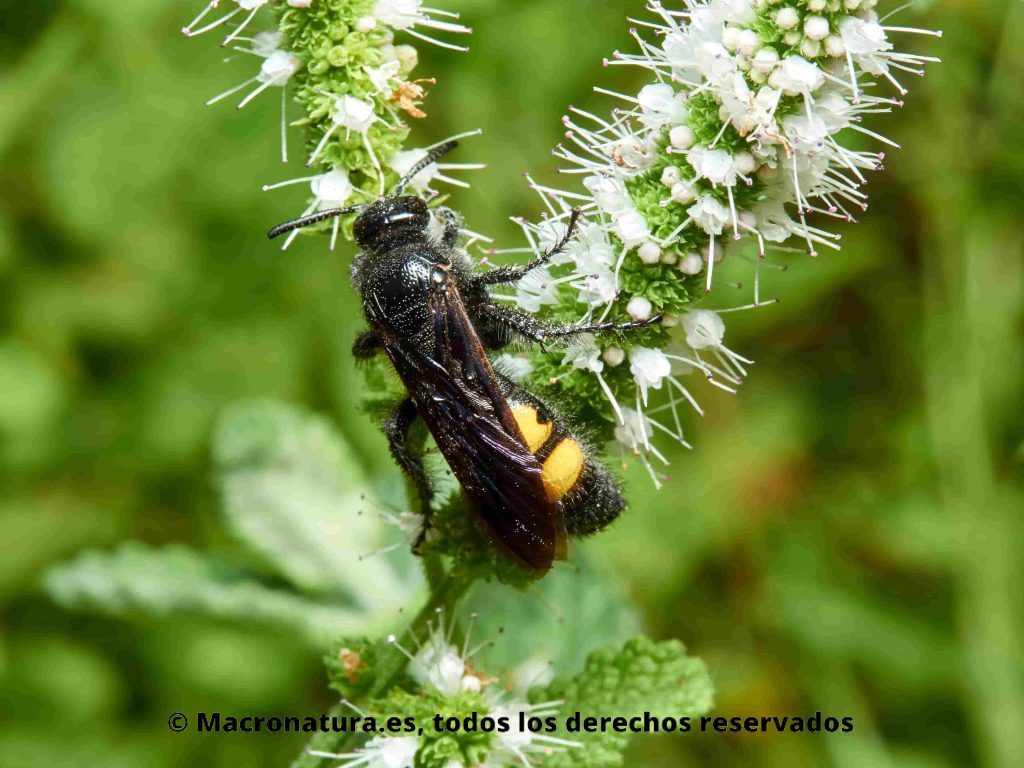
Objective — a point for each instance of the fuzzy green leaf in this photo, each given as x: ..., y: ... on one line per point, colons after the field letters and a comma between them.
x: 177, y: 581
x: 642, y: 676
x: 293, y: 491
x: 560, y: 620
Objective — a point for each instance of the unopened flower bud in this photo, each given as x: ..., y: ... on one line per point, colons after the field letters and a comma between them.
x: 613, y: 356
x: 787, y: 18
x: 639, y: 308
x: 670, y: 176
x: 649, y: 252
x: 691, y: 264
x: 681, y: 137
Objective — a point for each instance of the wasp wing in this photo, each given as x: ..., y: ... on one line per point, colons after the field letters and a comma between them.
x: 458, y: 396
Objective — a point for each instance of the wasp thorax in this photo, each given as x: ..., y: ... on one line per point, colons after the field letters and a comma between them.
x: 389, y: 219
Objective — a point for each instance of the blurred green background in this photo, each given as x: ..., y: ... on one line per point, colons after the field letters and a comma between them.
x: 846, y: 536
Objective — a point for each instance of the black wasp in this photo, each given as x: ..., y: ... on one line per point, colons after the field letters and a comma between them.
x: 526, y: 478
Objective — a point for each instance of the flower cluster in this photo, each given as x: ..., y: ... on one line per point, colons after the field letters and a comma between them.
x: 353, y: 81
x: 446, y: 682
x: 741, y: 137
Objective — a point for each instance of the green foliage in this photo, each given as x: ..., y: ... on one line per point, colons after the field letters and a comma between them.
x: 136, y: 580
x: 869, y: 463
x: 293, y: 491
x: 564, y: 617
x: 642, y: 676
x: 358, y: 667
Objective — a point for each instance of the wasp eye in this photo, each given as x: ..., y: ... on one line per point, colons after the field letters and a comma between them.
x: 437, y: 276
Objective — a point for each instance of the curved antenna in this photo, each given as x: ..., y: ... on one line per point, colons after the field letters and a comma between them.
x: 313, y: 218
x: 429, y: 159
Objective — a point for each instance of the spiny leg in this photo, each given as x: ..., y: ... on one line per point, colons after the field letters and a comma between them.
x: 396, y: 429
x: 528, y: 326
x: 366, y: 345
x: 513, y: 274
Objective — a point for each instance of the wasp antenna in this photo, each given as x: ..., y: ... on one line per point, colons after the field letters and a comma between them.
x: 313, y: 218
x: 429, y: 159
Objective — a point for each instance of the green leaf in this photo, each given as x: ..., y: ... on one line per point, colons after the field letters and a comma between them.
x: 178, y: 581
x: 560, y: 619
x: 293, y: 491
x: 644, y: 676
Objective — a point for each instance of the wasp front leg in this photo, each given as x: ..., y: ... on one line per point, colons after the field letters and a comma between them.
x: 396, y: 429
x: 366, y: 345
x: 505, y: 275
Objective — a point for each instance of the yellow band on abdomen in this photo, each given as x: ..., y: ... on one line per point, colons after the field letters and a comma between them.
x: 562, y: 469
x: 534, y: 430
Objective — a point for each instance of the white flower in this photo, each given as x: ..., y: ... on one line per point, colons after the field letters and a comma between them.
x: 403, y: 162
x: 787, y: 18
x: 633, y: 153
x: 866, y: 42
x: 277, y: 69
x: 515, y: 746
x: 660, y: 105
x: 379, y: 752
x: 353, y: 114
x: 715, y: 62
x: 635, y: 431
x: 405, y: 15
x: 243, y: 5
x: 704, y: 329
x: 724, y: 97
x: 536, y: 289
x: 709, y: 214
x: 795, y: 75
x: 805, y: 132
x: 614, y: 356
x: 715, y: 165
x: 515, y: 367
x: 834, y: 110
x: 584, y: 355
x: 816, y: 27
x: 265, y: 43
x: 398, y: 14
x: 331, y: 189
x: 599, y: 288
x: 609, y: 194
x: 383, y: 76
x: 439, y: 665
x: 631, y: 228
x: 649, y: 368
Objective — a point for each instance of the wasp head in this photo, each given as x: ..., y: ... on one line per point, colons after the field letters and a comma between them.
x: 389, y: 219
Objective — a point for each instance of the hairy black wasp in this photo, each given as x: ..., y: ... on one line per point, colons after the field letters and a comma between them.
x: 524, y: 475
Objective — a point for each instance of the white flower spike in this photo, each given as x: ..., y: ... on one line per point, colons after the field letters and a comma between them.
x: 740, y: 137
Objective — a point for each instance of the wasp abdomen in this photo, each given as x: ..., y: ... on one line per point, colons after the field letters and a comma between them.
x: 589, y: 497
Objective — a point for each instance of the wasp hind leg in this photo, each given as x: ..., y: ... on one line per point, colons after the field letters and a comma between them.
x: 396, y: 429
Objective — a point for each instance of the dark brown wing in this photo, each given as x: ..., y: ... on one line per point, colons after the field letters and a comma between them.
x: 459, y: 398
